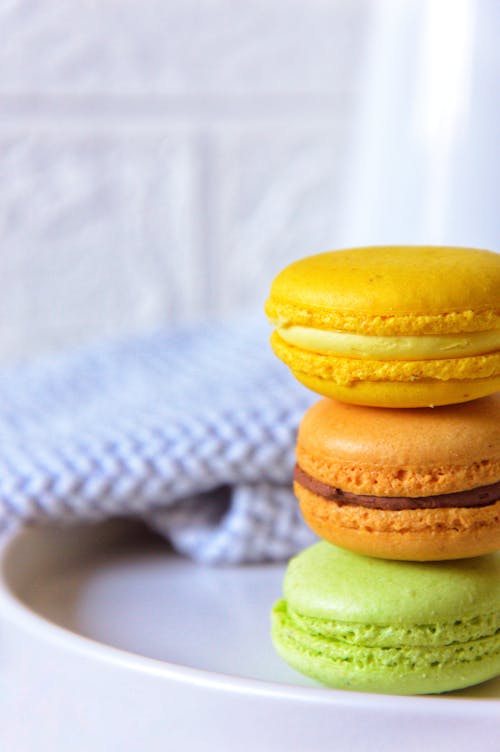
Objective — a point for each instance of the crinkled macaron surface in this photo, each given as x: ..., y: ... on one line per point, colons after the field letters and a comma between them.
x: 353, y: 622
x: 391, y: 326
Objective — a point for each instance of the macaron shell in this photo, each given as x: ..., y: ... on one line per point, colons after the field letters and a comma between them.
x: 393, y: 394
x: 328, y: 582
x: 367, y: 290
x: 404, y: 535
x: 369, y: 450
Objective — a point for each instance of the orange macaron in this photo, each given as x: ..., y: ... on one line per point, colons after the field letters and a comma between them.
x: 402, y: 484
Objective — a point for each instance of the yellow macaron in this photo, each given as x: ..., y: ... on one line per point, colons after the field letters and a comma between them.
x: 391, y: 326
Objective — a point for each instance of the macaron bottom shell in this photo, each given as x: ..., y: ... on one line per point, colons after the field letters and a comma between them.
x: 407, y: 535
x: 392, y: 383
x: 405, y: 670
x: 411, y: 394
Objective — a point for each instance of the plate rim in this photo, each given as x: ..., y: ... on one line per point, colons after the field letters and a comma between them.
x: 20, y: 614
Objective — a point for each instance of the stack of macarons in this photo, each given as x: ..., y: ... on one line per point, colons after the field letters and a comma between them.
x: 398, y: 467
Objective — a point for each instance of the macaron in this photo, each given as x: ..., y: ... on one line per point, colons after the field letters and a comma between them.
x: 421, y: 485
x: 374, y: 625
x: 391, y: 326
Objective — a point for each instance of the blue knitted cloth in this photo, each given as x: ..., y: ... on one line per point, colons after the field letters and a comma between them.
x: 192, y: 431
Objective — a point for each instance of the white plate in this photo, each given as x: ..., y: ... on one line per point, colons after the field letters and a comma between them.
x: 112, y: 642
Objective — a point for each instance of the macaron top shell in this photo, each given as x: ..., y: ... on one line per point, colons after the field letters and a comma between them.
x: 450, y: 434
x: 390, y: 290
x: 328, y: 582
x: 435, y: 450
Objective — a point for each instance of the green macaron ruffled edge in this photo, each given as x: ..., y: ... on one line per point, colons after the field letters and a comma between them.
x: 410, y: 669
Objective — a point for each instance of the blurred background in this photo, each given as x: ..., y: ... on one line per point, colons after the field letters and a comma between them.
x: 161, y: 160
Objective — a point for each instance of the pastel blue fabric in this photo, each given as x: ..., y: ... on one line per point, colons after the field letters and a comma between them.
x: 191, y: 430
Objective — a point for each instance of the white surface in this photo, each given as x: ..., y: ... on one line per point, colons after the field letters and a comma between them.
x: 161, y: 160
x: 110, y: 642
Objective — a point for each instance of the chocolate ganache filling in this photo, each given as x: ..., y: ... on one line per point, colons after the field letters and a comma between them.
x: 475, y: 497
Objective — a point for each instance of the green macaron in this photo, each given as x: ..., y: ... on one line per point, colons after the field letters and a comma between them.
x: 393, y: 627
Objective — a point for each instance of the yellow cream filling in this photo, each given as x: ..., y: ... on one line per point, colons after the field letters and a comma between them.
x: 422, y: 347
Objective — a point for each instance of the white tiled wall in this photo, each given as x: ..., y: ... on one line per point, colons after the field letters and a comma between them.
x: 160, y: 160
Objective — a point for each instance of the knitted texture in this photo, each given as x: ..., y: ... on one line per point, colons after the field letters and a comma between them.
x: 192, y: 431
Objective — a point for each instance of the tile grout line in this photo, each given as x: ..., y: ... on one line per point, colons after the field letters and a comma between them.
x: 35, y: 110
